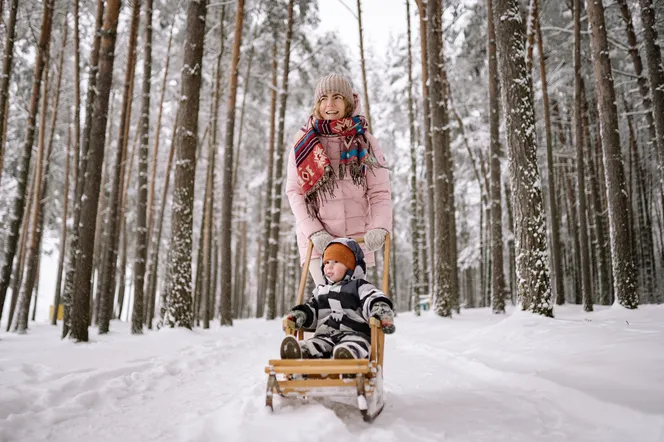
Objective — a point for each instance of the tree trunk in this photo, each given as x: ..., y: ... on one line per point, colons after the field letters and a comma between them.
x: 32, y: 272
x: 179, y: 310
x: 273, y: 243
x: 80, y: 166
x: 602, y: 248
x: 582, y: 210
x: 141, y: 219
x: 532, y: 267
x: 18, y: 206
x: 25, y: 283
x: 155, y: 151
x: 443, y: 287
x: 90, y: 195
x: 556, y: 261
x: 638, y: 69
x: 367, y: 108
x: 498, y: 282
x: 428, y: 148
x: 17, y: 277
x: 63, y: 232
x: 7, y: 65
x: 656, y: 75
x: 109, y: 261
x: 416, y: 276
x: 226, y: 234
x: 156, y: 243
x: 641, y: 218
x: 267, y: 213
x: 624, y: 275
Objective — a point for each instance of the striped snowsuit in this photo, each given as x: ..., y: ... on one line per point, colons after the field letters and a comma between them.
x: 340, y: 314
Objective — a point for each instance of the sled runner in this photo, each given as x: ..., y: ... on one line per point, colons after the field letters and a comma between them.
x: 360, y: 378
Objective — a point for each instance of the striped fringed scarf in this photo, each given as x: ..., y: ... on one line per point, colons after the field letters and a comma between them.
x: 315, y: 174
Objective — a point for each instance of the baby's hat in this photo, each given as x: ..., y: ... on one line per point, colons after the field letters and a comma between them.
x: 340, y: 252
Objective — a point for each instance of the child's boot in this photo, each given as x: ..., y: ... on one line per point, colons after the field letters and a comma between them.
x: 290, y: 348
x: 342, y: 352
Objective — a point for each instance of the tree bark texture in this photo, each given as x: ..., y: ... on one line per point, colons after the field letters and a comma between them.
x: 532, y: 268
x: 141, y: 219
x: 90, y: 194
x: 656, y: 75
x: 497, y: 273
x: 428, y: 148
x: 624, y: 275
x: 7, y: 65
x: 443, y: 286
x: 226, y: 233
x: 582, y: 209
x: 80, y: 166
x: 179, y: 309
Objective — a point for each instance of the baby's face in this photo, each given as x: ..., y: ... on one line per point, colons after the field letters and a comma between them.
x: 334, y: 270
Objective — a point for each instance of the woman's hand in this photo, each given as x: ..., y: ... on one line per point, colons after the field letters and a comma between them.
x: 374, y: 239
x: 321, y: 239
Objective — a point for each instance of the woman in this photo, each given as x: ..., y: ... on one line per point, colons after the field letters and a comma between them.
x: 338, y: 184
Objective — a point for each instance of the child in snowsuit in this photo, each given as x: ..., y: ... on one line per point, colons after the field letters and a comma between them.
x: 340, y: 309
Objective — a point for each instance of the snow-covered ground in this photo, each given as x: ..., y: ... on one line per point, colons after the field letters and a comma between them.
x: 477, y: 377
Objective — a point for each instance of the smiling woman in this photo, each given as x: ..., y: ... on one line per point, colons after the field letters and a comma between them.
x: 338, y: 185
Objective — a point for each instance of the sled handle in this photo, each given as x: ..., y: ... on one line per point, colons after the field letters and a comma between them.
x: 305, y: 274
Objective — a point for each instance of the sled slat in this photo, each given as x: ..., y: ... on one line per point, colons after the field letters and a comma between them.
x: 317, y: 383
x: 317, y: 362
x: 312, y: 369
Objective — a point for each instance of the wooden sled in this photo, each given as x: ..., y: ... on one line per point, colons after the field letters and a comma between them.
x: 360, y: 378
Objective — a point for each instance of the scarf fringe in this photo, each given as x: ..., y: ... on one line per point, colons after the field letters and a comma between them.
x: 319, y: 193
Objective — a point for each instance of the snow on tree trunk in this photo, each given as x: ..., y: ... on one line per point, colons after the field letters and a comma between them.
x: 532, y: 268
x: 624, y: 275
x: 141, y: 218
x: 444, y: 296
x: 178, y: 290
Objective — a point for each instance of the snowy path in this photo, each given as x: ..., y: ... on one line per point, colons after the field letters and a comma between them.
x: 476, y: 378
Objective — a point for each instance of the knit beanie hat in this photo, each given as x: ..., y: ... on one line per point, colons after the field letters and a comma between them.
x: 334, y: 84
x: 340, y: 253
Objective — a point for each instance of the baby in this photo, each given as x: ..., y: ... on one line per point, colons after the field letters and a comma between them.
x: 340, y: 309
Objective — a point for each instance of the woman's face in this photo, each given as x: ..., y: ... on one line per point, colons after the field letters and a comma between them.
x: 332, y: 106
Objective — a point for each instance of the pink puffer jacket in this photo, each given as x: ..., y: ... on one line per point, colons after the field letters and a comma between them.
x: 353, y: 210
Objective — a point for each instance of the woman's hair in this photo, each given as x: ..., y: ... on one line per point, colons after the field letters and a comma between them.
x: 349, y: 110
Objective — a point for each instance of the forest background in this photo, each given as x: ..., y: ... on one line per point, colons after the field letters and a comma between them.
x: 143, y: 144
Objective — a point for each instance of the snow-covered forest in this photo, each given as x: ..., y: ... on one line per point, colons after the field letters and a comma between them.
x: 142, y: 153
x: 148, y: 251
